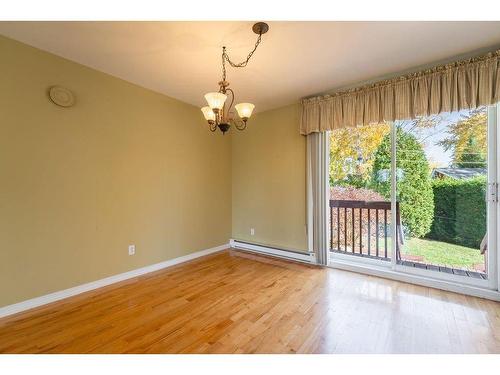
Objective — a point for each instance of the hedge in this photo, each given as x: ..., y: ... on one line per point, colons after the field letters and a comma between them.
x: 414, y: 189
x: 459, y: 211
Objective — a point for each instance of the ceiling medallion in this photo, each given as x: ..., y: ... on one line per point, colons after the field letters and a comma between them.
x: 217, y: 114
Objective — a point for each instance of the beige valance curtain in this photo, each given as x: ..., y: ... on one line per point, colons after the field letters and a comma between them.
x: 452, y: 87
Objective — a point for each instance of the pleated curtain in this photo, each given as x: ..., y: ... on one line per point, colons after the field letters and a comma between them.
x: 464, y: 84
x: 318, y: 195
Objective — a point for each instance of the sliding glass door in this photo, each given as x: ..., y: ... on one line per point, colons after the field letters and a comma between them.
x: 445, y: 166
x: 419, y: 195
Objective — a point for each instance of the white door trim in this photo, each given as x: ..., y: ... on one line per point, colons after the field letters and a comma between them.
x: 492, y: 207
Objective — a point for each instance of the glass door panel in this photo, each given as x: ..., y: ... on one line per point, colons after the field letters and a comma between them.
x: 441, y: 183
x: 360, y: 205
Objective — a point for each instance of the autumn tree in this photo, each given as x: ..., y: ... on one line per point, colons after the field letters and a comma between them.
x: 352, y: 151
x: 471, y: 156
x: 467, y: 139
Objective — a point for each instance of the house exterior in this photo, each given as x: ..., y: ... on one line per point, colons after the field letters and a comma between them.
x: 457, y: 173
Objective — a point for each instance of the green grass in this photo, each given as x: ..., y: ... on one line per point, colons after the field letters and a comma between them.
x: 442, y: 253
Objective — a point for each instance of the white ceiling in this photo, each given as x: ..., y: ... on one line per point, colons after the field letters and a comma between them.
x: 295, y: 59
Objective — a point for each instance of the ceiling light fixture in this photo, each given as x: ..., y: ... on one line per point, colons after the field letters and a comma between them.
x: 216, y: 113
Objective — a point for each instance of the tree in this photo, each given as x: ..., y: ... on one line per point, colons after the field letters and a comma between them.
x: 469, y: 157
x: 414, y: 189
x: 352, y: 151
x: 467, y: 139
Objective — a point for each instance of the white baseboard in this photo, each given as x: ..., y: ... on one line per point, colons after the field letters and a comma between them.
x: 282, y: 253
x: 56, y: 296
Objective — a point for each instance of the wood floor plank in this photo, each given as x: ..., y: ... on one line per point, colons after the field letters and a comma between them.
x: 237, y: 302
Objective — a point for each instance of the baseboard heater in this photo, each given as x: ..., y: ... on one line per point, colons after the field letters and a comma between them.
x: 274, y: 251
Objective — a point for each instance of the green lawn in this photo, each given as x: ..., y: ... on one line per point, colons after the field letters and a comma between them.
x: 442, y: 253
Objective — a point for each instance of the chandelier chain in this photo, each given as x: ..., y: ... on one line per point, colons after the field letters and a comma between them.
x: 225, y: 57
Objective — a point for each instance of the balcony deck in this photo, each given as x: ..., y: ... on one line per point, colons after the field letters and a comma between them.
x: 361, y: 229
x: 455, y: 271
x: 425, y: 266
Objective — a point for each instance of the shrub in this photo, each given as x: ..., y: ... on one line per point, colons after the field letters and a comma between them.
x: 351, y: 193
x: 355, y: 194
x: 460, y: 211
x: 443, y: 225
x: 414, y: 190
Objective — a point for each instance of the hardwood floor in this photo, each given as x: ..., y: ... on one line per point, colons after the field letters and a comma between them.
x: 235, y: 302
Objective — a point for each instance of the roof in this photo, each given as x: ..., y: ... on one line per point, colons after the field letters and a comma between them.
x: 459, y: 173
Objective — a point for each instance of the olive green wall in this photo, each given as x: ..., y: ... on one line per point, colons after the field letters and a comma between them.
x: 269, y: 180
x: 123, y: 166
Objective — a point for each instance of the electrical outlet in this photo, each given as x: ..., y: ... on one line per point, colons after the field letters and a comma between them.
x: 131, y: 249
x: 252, y: 231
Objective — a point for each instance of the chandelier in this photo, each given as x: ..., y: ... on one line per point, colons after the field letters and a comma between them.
x: 217, y: 113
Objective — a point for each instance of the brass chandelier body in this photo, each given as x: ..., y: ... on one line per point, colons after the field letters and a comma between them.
x: 218, y: 114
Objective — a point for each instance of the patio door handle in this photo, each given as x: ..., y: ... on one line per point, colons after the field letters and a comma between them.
x: 492, y: 195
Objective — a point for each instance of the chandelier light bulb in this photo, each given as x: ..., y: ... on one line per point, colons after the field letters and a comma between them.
x: 244, y: 110
x: 208, y: 113
x: 215, y: 100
